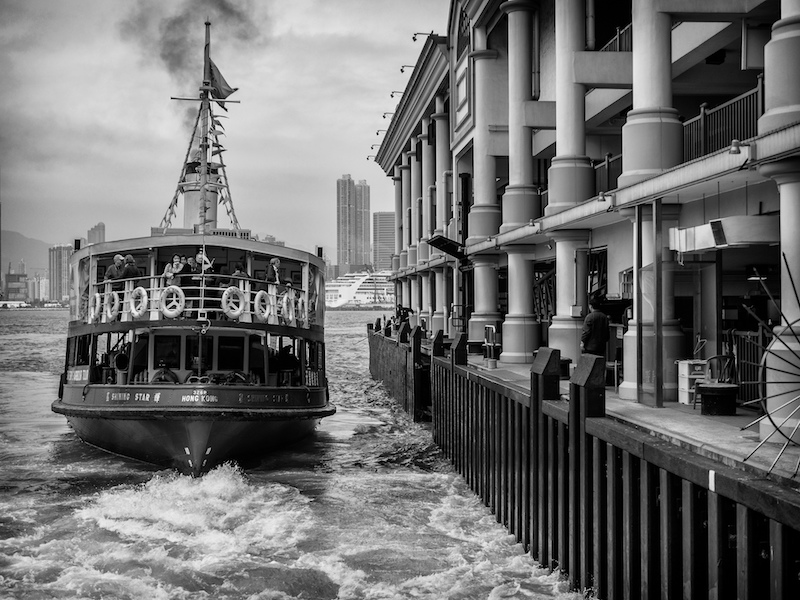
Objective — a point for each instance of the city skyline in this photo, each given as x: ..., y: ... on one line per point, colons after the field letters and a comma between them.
x: 295, y: 131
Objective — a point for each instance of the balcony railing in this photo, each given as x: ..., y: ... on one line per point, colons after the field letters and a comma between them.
x: 606, y: 173
x: 621, y: 42
x: 714, y: 129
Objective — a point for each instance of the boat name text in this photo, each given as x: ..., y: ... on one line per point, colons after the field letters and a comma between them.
x: 199, y: 396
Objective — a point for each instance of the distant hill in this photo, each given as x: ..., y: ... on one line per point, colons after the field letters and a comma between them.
x: 15, y: 247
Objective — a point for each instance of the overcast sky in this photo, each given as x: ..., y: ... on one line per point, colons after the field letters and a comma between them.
x: 88, y: 132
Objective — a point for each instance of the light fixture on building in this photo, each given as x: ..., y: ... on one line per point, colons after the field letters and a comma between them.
x: 396, y: 92
x: 549, y: 246
x: 414, y: 37
x: 607, y: 197
x: 370, y: 156
x: 374, y: 146
x: 404, y: 67
x: 379, y: 131
x: 736, y: 147
x: 387, y: 113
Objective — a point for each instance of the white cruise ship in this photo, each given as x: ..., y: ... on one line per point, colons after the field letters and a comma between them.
x: 361, y: 289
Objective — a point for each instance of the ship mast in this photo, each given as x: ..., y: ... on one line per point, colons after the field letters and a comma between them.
x: 205, y: 108
x: 199, y: 172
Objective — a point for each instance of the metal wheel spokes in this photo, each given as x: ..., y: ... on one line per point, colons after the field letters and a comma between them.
x: 778, y: 381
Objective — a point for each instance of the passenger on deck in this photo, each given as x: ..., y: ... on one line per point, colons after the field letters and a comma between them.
x: 172, y: 271
x: 115, y: 271
x: 272, y: 278
x: 239, y: 275
x: 130, y: 270
x: 273, y: 269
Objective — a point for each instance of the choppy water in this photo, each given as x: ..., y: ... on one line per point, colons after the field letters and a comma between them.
x: 367, y: 509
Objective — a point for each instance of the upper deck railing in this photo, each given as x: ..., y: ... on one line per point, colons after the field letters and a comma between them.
x: 241, y: 299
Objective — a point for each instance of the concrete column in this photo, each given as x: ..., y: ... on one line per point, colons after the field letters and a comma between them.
x: 416, y: 193
x: 443, y: 168
x: 564, y: 332
x: 426, y: 297
x: 486, y: 291
x: 671, y: 336
x: 571, y: 174
x: 521, y: 200
x: 414, y: 301
x: 484, y: 216
x: 520, y: 328
x: 428, y: 169
x: 440, y: 307
x: 444, y: 174
x: 398, y: 219
x: 652, y: 137
x: 781, y: 84
x: 783, y: 366
x: 407, y: 299
x: 405, y: 175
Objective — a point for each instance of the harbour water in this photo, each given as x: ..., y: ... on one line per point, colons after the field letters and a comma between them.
x: 366, y: 509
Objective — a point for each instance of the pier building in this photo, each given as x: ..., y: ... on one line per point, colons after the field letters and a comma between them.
x: 645, y: 154
x: 538, y: 161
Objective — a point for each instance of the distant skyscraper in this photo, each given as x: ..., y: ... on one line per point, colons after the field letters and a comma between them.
x: 352, y: 225
x: 97, y: 234
x: 59, y: 271
x: 382, y: 240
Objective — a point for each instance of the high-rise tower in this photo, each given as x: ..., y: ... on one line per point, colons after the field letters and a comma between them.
x: 59, y: 271
x: 382, y: 240
x: 352, y: 225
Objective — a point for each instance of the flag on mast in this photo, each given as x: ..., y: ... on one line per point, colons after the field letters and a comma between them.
x: 219, y: 87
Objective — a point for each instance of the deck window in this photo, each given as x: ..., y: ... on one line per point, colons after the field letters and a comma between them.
x: 230, y: 355
x: 167, y: 351
x: 199, y: 357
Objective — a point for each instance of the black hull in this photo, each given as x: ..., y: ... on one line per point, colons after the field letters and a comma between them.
x: 192, y: 439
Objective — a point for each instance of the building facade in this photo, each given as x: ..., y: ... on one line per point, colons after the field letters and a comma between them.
x: 97, y: 234
x: 58, y: 275
x: 539, y: 161
x: 16, y: 284
x: 352, y: 225
x: 382, y: 240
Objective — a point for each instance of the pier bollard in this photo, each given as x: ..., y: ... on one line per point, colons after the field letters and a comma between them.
x: 403, y: 333
x: 545, y: 375
x: 587, y: 398
x: 437, y: 347
x: 458, y: 353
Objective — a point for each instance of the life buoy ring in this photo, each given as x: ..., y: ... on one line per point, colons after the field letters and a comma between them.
x: 95, y: 306
x: 164, y: 376
x: 138, y: 302
x: 287, y: 308
x: 229, y: 305
x: 112, y: 305
x: 172, y: 301
x: 262, y: 306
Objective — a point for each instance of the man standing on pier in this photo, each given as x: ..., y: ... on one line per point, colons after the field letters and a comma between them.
x: 595, y: 330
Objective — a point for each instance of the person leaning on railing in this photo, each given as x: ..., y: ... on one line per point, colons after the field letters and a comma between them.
x: 114, y: 272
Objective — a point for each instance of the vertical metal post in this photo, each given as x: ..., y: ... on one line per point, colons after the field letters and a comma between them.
x: 658, y: 306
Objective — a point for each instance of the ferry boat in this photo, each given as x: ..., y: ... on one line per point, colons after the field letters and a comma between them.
x: 361, y: 290
x: 188, y: 366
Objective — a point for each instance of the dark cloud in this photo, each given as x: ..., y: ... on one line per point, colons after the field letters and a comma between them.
x: 173, y: 33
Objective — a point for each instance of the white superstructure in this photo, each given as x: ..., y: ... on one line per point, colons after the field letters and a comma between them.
x: 360, y: 289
